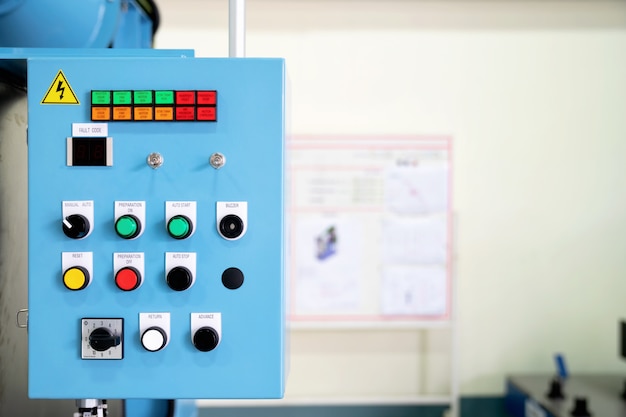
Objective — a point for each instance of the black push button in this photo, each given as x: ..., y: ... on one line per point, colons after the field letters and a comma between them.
x: 205, y: 339
x: 232, y: 278
x: 179, y: 278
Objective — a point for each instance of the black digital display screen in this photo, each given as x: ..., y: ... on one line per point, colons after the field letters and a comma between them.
x: 89, y: 152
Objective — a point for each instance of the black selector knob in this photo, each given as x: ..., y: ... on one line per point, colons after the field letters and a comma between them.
x: 580, y: 408
x: 205, y: 339
x: 102, y: 339
x: 76, y: 226
x: 179, y: 278
x: 556, y: 390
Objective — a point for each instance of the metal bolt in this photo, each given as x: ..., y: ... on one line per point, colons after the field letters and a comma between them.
x: 155, y: 160
x: 217, y: 160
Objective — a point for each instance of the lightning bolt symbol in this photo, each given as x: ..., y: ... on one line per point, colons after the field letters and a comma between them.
x: 61, y: 88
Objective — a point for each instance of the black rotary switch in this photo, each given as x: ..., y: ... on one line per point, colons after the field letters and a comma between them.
x: 179, y: 278
x: 102, y: 339
x: 205, y: 339
x: 76, y: 226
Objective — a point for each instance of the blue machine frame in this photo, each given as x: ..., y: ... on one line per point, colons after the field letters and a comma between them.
x: 248, y: 322
x: 76, y: 24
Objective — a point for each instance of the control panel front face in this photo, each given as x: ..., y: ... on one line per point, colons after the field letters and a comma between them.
x: 156, y: 236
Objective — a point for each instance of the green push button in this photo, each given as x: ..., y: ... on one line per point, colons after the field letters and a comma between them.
x: 100, y: 97
x: 122, y: 97
x: 142, y: 97
x: 179, y: 227
x: 127, y: 226
x: 164, y: 97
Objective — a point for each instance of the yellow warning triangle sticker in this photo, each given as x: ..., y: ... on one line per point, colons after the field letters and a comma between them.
x: 60, y: 92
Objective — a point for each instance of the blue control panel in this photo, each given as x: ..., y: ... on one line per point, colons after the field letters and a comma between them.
x: 156, y: 228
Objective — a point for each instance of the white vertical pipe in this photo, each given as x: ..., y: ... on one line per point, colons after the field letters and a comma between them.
x: 455, y: 406
x: 236, y: 28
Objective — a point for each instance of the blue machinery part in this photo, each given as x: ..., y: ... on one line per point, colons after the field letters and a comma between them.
x: 583, y: 395
x: 78, y: 23
x: 153, y: 408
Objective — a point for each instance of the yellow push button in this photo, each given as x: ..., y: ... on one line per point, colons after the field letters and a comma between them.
x: 76, y: 278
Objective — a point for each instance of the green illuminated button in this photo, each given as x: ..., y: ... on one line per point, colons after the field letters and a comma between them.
x: 142, y: 97
x: 100, y: 97
x: 128, y: 226
x: 179, y: 227
x: 164, y: 97
x: 122, y: 97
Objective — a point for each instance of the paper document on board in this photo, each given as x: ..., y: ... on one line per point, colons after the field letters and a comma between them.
x: 414, y: 290
x: 327, y: 259
x: 417, y: 189
x: 415, y: 240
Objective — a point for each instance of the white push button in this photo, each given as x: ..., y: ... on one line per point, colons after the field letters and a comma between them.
x: 154, y: 339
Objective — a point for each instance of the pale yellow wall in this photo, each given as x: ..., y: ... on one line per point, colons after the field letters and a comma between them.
x: 534, y: 94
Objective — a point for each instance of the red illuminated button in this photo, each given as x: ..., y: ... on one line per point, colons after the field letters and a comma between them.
x: 128, y: 279
x: 185, y: 113
x: 207, y: 114
x: 207, y: 97
x: 185, y: 97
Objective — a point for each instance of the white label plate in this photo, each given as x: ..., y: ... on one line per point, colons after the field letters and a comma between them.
x: 87, y: 130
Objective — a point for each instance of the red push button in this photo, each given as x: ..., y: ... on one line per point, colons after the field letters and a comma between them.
x: 128, y: 279
x: 207, y: 97
x: 185, y: 113
x: 208, y: 114
x: 185, y: 97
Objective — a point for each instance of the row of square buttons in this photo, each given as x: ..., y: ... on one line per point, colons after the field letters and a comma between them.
x: 158, y: 97
x: 153, y: 105
x: 177, y: 113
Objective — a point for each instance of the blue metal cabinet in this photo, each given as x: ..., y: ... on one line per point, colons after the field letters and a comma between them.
x: 150, y: 290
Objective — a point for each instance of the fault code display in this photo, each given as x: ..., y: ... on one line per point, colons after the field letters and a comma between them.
x: 89, y: 152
